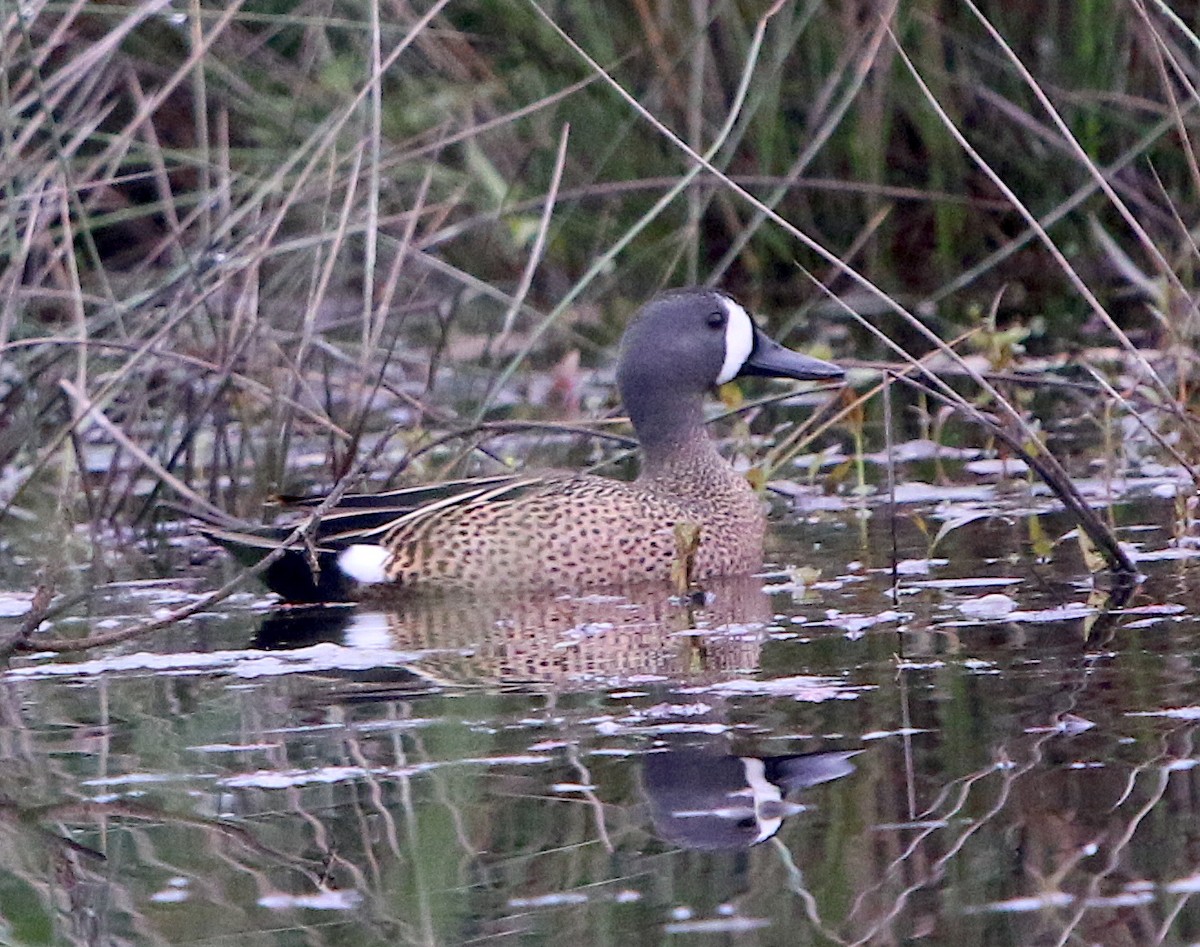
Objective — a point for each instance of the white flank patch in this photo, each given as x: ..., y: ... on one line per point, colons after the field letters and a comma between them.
x: 368, y: 631
x: 739, y: 340
x: 364, y: 563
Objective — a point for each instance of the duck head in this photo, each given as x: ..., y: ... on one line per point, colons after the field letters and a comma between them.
x: 684, y: 343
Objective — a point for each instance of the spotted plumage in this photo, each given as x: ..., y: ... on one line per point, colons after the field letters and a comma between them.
x: 570, y: 533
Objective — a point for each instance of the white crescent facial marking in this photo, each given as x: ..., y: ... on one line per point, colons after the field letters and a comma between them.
x: 739, y: 340
x: 364, y: 563
x: 764, y: 791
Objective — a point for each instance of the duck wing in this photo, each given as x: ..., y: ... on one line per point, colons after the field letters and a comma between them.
x: 359, y: 515
x: 357, y: 518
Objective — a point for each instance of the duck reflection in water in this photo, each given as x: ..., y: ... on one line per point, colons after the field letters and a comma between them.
x: 562, y: 642
x: 700, y: 797
x: 705, y: 799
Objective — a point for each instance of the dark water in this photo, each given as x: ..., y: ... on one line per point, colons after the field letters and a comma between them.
x: 994, y: 756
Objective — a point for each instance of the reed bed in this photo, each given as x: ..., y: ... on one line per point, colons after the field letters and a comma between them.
x: 255, y: 248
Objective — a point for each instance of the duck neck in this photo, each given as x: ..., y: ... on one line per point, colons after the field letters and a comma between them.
x: 672, y: 434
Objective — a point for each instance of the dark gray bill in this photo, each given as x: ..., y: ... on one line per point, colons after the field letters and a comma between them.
x: 773, y: 360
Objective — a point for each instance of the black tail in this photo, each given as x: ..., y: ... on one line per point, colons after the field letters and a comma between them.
x: 291, y: 575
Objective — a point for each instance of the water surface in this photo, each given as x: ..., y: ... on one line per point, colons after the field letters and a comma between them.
x: 995, y: 754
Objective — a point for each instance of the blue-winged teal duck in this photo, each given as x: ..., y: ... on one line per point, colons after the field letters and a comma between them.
x: 570, y: 533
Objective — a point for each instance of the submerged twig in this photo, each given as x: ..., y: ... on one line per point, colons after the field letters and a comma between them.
x: 1047, y: 467
x: 890, y: 447
x: 39, y: 608
x: 303, y: 534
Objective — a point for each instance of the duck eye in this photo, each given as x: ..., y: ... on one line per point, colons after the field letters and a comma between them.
x: 716, y: 320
